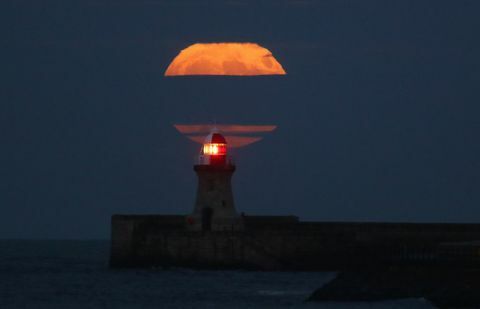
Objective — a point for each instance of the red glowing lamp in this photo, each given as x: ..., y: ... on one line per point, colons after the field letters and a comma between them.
x: 215, y: 149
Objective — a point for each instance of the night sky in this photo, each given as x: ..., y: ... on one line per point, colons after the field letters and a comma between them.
x: 378, y: 118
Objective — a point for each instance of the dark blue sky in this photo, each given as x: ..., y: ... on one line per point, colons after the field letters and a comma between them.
x: 379, y: 116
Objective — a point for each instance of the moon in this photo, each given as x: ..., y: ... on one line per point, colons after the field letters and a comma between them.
x: 235, y: 59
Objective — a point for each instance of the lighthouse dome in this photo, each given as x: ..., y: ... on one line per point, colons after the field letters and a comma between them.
x: 215, y: 138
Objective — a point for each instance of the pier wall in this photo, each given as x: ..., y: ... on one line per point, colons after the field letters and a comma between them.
x: 284, y: 243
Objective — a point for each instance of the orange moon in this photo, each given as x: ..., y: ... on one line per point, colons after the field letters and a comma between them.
x: 236, y: 59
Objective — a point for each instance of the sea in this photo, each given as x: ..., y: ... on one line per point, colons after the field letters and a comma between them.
x: 75, y: 274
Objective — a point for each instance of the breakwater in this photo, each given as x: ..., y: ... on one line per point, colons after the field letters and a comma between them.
x: 285, y: 243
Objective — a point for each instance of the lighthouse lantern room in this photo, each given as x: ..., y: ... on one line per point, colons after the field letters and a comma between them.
x: 214, y: 150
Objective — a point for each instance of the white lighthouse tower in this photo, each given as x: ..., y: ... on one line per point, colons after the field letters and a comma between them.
x: 214, y: 205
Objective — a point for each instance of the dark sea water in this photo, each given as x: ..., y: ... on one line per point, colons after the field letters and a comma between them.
x: 75, y: 274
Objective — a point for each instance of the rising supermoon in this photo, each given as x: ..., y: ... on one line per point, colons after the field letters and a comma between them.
x: 241, y: 59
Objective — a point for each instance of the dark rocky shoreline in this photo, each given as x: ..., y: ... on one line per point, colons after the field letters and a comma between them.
x: 445, y: 288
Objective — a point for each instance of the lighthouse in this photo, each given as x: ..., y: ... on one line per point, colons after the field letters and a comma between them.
x: 214, y: 208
